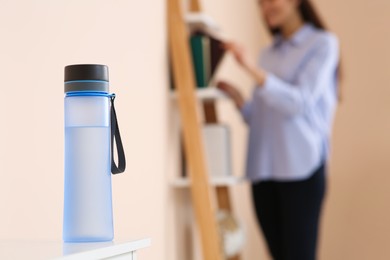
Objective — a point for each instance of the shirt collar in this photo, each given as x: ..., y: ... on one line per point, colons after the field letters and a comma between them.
x: 299, y: 37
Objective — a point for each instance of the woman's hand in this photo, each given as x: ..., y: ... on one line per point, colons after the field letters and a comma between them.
x: 239, y: 54
x: 241, y: 57
x: 232, y: 92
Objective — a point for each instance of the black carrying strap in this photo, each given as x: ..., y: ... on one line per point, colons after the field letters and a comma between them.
x: 116, y: 136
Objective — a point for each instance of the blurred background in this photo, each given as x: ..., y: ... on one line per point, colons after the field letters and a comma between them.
x: 39, y: 38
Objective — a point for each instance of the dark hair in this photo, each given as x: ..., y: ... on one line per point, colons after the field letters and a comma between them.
x: 310, y: 15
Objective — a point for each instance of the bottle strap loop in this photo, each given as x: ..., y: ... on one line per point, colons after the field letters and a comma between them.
x: 116, y: 136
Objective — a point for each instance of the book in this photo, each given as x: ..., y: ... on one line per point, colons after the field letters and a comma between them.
x: 218, y: 149
x: 217, y: 55
x: 207, y: 54
x: 200, y: 46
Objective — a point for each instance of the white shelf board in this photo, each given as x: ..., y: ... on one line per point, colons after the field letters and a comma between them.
x: 201, y: 20
x: 206, y: 24
x: 207, y: 93
x: 184, y: 182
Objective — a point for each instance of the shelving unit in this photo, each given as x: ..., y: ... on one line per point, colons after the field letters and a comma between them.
x: 202, y: 187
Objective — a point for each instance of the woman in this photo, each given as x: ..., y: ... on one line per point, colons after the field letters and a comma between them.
x: 290, y: 118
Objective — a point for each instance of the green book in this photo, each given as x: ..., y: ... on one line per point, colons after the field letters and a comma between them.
x: 201, y: 57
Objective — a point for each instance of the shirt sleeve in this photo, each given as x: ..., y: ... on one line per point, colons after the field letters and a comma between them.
x: 311, y: 82
x: 246, y: 111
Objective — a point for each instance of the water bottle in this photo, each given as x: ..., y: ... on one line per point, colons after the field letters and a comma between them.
x: 90, y: 131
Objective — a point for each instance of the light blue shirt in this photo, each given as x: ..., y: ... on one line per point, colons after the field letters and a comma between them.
x: 290, y: 117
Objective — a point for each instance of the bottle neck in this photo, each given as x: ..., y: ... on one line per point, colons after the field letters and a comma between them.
x: 92, y: 86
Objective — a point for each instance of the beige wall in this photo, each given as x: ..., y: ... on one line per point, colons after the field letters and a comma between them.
x: 356, y: 223
x: 38, y: 38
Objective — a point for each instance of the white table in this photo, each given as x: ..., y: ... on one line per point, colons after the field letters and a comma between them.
x: 19, y: 249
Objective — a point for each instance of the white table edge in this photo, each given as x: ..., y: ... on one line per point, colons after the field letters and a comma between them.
x: 109, y: 251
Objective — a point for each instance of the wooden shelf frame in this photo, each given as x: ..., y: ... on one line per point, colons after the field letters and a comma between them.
x: 187, y: 97
x: 184, y: 80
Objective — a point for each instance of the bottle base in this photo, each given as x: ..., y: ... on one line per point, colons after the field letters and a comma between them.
x: 87, y: 239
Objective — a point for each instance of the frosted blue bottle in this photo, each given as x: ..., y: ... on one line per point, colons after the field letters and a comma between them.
x: 87, y: 195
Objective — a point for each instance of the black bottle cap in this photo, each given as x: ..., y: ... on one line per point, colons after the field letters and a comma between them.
x: 86, y: 72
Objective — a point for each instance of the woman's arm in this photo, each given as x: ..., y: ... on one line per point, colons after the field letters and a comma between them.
x: 293, y: 99
x: 232, y: 92
x: 245, y: 107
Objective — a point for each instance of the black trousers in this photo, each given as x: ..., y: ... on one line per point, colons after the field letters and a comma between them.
x: 289, y: 213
